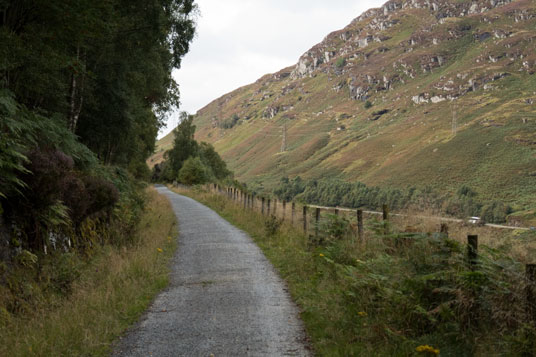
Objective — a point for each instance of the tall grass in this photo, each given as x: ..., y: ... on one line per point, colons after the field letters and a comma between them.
x: 110, y: 293
x: 394, y: 294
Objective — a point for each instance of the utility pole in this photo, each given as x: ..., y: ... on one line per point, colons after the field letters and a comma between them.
x: 284, y: 139
x: 454, y: 120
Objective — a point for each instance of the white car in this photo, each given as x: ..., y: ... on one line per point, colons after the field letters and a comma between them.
x: 475, y: 220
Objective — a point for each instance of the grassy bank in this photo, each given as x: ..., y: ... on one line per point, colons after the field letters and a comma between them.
x: 110, y: 292
x: 393, y: 294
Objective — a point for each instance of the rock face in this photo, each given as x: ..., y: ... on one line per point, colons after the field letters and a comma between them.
x: 382, y: 19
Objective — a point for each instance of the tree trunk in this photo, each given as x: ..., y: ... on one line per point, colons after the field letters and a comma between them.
x: 77, y: 99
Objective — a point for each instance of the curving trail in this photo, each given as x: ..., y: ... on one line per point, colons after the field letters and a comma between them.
x: 224, y: 297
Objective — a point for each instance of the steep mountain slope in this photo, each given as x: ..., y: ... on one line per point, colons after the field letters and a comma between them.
x: 424, y: 93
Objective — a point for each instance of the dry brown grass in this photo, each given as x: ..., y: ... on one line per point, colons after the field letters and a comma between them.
x: 113, y: 291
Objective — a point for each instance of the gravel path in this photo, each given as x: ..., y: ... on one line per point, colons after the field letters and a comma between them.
x: 224, y: 297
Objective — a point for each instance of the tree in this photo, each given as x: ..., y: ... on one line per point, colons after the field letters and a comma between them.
x: 193, y: 172
x: 67, y: 59
x: 184, y: 144
x: 211, y: 158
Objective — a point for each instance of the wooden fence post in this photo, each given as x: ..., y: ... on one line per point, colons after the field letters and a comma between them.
x: 385, y: 212
x: 444, y: 230
x: 530, y: 274
x: 292, y: 212
x: 262, y: 207
x: 472, y: 250
x: 305, y: 219
x: 284, y: 208
x: 336, y: 211
x: 360, y: 225
x: 275, y: 207
x: 385, y: 215
x: 317, y: 218
x: 268, y: 208
x: 245, y: 200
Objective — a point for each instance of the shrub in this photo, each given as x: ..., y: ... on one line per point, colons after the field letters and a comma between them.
x: 229, y: 122
x: 193, y: 172
x: 368, y: 104
x: 334, y: 227
x: 341, y: 61
x: 272, y: 225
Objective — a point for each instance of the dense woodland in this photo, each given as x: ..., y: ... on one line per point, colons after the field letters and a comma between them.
x: 84, y: 88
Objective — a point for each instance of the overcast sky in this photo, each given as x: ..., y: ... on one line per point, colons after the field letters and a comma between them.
x: 238, y: 41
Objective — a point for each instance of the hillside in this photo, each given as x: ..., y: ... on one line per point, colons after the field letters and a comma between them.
x: 414, y: 93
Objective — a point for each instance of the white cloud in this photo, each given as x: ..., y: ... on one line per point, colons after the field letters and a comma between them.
x: 238, y: 41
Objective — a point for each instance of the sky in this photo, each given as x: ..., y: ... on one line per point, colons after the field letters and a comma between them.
x: 239, y: 41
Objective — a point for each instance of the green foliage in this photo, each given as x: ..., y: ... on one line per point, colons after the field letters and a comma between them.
x: 207, y: 166
x: 341, y: 61
x: 272, y: 225
x: 334, y: 227
x: 67, y: 59
x: 193, y: 172
x: 184, y: 146
x: 229, y: 122
x: 367, y: 104
x: 288, y: 189
x: 328, y: 192
x: 218, y: 167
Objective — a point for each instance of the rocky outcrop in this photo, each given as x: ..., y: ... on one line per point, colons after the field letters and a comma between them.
x: 379, y: 20
x: 270, y: 112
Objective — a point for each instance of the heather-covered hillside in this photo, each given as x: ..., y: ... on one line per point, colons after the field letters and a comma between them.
x: 422, y: 93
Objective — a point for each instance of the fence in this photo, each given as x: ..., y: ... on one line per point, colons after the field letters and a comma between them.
x: 308, y: 217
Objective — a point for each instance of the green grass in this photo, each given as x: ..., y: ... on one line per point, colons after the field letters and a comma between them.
x: 113, y: 289
x: 389, y: 295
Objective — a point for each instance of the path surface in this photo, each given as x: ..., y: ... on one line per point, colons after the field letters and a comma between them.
x: 224, y: 297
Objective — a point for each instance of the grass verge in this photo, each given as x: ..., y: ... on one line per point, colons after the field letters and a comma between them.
x: 111, y: 292
x: 393, y: 294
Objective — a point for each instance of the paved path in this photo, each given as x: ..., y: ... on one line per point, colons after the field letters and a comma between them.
x: 224, y: 297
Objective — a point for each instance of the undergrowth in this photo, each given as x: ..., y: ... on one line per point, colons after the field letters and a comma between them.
x: 68, y: 304
x: 396, y: 293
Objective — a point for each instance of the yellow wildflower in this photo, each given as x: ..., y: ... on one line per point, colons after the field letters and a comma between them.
x: 321, y: 255
x: 362, y: 313
x: 427, y: 349
x: 160, y: 250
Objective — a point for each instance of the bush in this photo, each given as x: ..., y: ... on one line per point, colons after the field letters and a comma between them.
x: 334, y: 227
x: 341, y: 61
x: 193, y: 172
x: 272, y: 225
x: 368, y: 104
x: 229, y: 122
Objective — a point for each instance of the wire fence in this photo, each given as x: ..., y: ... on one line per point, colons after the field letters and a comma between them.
x: 309, y: 217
